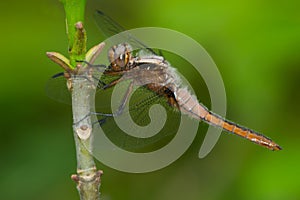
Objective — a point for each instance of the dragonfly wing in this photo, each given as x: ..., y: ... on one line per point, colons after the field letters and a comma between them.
x: 138, y: 109
x: 56, y: 89
x: 109, y: 27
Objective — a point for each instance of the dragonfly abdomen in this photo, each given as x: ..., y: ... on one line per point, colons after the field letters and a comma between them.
x: 231, y: 127
x: 189, y: 105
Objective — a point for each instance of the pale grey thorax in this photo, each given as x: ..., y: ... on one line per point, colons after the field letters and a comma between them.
x: 145, y: 68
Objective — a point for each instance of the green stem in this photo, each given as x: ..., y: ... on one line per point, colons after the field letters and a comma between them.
x: 87, y: 177
x: 77, y: 37
x: 83, y: 97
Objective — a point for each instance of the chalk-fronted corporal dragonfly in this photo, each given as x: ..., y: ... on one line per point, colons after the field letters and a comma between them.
x: 159, y: 79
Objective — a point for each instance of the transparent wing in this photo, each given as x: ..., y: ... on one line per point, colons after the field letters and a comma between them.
x: 109, y: 28
x: 139, y: 105
x: 56, y: 89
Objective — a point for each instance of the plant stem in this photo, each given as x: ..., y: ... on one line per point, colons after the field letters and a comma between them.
x: 82, y: 85
x: 77, y: 39
x: 87, y: 177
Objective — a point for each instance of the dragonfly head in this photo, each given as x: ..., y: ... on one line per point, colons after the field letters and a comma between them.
x: 119, y: 56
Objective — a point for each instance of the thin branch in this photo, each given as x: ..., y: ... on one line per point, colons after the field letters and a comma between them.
x: 76, y: 34
x: 83, y: 93
x: 87, y: 177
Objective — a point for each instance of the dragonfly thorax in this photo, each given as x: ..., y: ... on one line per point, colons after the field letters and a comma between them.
x: 119, y: 56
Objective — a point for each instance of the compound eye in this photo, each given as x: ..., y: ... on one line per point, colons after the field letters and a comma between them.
x: 121, y: 61
x: 122, y: 57
x: 119, y: 56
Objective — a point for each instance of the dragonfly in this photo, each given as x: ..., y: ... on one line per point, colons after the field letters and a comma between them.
x: 158, y: 81
x: 156, y: 74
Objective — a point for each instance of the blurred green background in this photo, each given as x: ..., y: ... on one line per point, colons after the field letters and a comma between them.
x: 255, y: 45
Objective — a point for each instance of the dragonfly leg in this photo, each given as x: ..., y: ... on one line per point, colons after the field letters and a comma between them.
x: 100, y: 121
x: 75, y: 123
x: 99, y: 66
x: 100, y: 83
x: 111, y: 84
x: 123, y: 103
